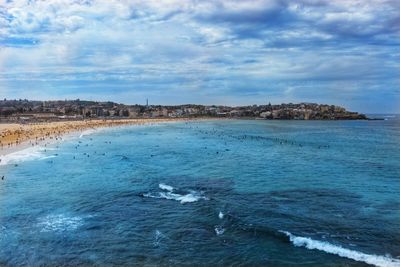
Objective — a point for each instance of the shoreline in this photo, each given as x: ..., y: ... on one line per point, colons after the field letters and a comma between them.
x: 15, y: 137
x: 18, y: 136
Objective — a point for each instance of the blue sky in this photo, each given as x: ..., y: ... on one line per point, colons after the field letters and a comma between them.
x: 343, y: 52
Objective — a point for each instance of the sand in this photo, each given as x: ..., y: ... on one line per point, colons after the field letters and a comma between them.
x: 18, y: 136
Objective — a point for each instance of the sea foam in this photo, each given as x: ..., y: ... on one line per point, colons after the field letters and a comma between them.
x: 59, y: 222
x: 219, y: 230
x: 48, y: 157
x: 158, y: 237
x: 166, y: 187
x: 30, y: 153
x: 87, y: 132
x: 191, y: 196
x: 382, y: 261
x: 220, y: 215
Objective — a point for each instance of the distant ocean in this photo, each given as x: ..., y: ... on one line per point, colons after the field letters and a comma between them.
x: 209, y: 193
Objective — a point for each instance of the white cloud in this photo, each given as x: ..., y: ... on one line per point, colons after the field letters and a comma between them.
x: 214, y: 47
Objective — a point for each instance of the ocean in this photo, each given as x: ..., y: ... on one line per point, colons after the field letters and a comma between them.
x: 207, y: 193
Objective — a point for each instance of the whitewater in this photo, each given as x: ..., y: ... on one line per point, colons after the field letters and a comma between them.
x: 235, y: 192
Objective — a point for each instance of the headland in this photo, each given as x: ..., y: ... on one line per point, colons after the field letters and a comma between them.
x: 34, y: 111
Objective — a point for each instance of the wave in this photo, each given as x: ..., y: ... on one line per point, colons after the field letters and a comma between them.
x: 87, y: 132
x: 166, y: 187
x: 219, y: 230
x: 159, y: 236
x: 220, y: 215
x: 59, y: 222
x: 188, y: 197
x: 384, y: 261
x: 30, y: 153
x: 48, y: 157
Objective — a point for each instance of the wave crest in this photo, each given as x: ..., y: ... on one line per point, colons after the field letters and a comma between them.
x: 87, y: 132
x: 309, y: 243
x: 165, y: 187
x: 30, y: 153
x: 170, y: 194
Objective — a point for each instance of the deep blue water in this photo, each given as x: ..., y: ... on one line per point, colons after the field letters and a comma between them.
x: 210, y: 193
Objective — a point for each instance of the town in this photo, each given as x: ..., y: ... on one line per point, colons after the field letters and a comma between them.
x: 23, y: 110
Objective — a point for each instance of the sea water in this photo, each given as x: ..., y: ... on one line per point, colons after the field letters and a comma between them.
x: 210, y: 193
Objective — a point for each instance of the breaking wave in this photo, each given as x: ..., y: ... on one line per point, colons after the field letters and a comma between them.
x: 309, y: 243
x: 166, y: 187
x: 182, y: 197
x: 219, y: 230
x: 48, y: 157
x: 220, y: 215
x: 31, y: 153
x: 87, y: 132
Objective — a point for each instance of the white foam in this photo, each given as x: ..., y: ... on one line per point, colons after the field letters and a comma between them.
x: 166, y: 187
x: 87, y: 132
x: 189, y: 198
x: 59, y: 222
x: 30, y: 153
x: 220, y: 215
x: 193, y: 196
x: 158, y: 237
x: 48, y: 157
x: 384, y: 261
x: 219, y: 230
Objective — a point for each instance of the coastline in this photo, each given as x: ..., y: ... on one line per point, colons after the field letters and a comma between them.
x: 16, y: 136
x: 68, y: 177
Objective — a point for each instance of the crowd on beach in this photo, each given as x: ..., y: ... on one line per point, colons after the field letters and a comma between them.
x: 39, y: 132
x: 14, y: 135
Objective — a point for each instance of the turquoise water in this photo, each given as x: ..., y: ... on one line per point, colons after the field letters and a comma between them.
x: 211, y: 193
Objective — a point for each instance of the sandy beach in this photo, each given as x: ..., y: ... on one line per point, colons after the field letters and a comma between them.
x: 15, y: 136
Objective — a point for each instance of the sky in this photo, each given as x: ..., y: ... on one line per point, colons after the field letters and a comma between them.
x: 230, y: 52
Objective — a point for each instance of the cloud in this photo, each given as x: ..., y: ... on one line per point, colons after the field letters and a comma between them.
x: 179, y: 51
